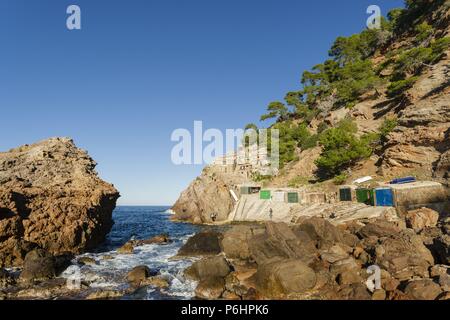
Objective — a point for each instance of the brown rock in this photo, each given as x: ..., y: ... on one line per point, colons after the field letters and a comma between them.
x: 321, y: 231
x: 404, y: 256
x: 41, y: 265
x: 210, y: 288
x: 280, y: 241
x: 105, y: 295
x: 355, y: 291
x: 379, y: 229
x: 87, y: 261
x: 379, y: 295
x: 139, y: 274
x: 127, y: 248
x: 280, y: 278
x: 202, y: 244
x: 208, y: 193
x: 51, y: 196
x: 215, y: 267
x: 438, y: 270
x: 235, y: 241
x: 424, y: 289
x: 421, y: 218
x: 349, y: 277
x: 444, y: 282
x: 388, y: 282
x: 157, y: 282
x: 159, y: 239
x: 444, y: 296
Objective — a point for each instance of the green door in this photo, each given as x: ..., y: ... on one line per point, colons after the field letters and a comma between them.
x: 364, y: 195
x: 264, y: 194
x: 292, y: 197
x: 345, y: 194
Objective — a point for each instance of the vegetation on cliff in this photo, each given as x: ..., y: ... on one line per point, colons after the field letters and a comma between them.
x: 353, y: 72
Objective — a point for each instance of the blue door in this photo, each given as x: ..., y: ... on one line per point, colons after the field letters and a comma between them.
x: 384, y: 197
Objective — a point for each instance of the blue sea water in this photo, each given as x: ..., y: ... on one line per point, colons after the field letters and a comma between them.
x: 140, y: 223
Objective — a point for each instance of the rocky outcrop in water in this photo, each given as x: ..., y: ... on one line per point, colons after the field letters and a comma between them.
x: 51, y: 198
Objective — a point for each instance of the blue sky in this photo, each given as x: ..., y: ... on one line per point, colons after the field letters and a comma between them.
x: 139, y: 69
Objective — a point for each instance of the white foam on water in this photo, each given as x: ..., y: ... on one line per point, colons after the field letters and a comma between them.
x: 111, y: 273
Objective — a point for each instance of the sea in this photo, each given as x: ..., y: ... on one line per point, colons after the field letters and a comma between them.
x: 139, y: 223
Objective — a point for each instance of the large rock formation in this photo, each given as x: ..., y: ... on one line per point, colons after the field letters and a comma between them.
x: 207, y: 194
x: 51, y: 197
x: 315, y: 259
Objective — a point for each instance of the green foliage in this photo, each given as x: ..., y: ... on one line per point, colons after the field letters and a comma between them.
x: 354, y: 80
x: 276, y: 110
x: 387, y: 127
x: 394, y: 17
x: 340, y: 179
x: 341, y: 148
x: 438, y: 47
x: 251, y: 126
x: 412, y: 61
x: 257, y: 177
x: 298, y: 182
x: 322, y: 127
x: 397, y: 88
x: 423, y: 32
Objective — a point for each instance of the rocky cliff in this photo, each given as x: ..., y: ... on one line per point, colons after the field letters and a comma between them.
x: 51, y: 197
x: 419, y: 145
x: 209, y: 193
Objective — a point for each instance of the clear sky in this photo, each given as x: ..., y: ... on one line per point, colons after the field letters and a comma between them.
x: 139, y: 69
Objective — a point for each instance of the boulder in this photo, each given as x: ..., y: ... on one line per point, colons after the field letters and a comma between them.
x: 355, y: 291
x: 127, y: 248
x: 87, y: 261
x: 202, y: 244
x: 139, y: 274
x: 421, y: 218
x: 444, y: 282
x: 280, y: 241
x: 157, y: 282
x: 388, y: 282
x: 321, y: 231
x: 348, y: 277
x: 424, y: 289
x: 52, y: 197
x: 39, y: 264
x: 404, y: 256
x: 210, y: 288
x: 105, y: 295
x: 215, y: 267
x: 441, y: 249
x: 159, y: 239
x: 379, y: 294
x: 438, y: 270
x: 235, y: 242
x: 335, y: 253
x: 284, y: 277
x: 13, y: 252
x: 379, y: 229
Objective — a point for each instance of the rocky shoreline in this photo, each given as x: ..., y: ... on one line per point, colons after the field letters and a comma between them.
x: 316, y: 260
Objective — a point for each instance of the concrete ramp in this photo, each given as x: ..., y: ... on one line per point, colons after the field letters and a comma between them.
x: 251, y: 208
